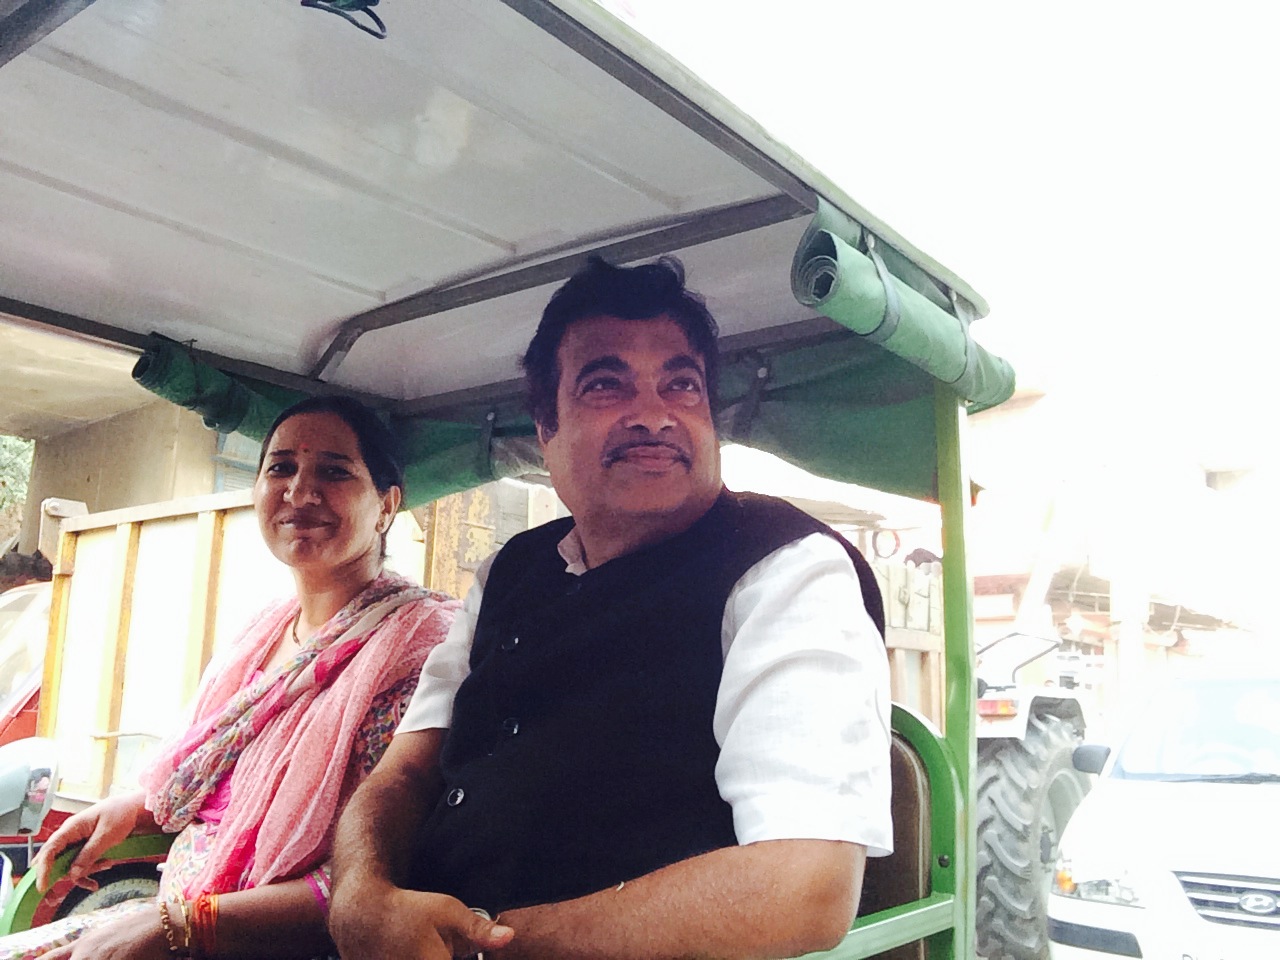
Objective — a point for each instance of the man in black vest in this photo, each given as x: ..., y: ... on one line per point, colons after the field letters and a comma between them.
x: 658, y: 728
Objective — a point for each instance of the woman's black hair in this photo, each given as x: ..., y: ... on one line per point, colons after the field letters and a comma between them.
x: 600, y: 289
x: 379, y: 448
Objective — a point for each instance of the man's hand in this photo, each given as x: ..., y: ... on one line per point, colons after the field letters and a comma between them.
x: 101, y: 827
x: 371, y: 916
x: 387, y: 923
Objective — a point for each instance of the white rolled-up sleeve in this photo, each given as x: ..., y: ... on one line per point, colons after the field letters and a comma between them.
x: 446, y: 666
x: 802, y: 714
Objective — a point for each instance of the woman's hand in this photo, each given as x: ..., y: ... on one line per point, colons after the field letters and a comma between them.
x: 101, y: 827
x: 134, y: 937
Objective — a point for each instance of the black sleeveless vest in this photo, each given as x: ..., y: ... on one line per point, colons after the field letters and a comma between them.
x: 581, y: 751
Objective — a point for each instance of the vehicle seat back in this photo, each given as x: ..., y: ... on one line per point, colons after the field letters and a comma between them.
x: 903, y: 876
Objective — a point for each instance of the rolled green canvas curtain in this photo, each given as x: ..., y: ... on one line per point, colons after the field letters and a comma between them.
x: 833, y: 276
x: 441, y: 456
x: 168, y: 369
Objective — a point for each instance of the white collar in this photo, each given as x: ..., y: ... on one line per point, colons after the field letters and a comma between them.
x: 573, y: 554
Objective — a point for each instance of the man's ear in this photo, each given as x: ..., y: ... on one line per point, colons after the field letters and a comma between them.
x: 544, y: 434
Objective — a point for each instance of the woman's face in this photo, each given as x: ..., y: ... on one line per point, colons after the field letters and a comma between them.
x: 317, y: 506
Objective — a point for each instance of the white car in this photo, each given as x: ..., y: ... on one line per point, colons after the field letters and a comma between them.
x: 1175, y: 854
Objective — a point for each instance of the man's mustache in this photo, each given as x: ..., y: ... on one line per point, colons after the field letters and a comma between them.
x: 619, y: 451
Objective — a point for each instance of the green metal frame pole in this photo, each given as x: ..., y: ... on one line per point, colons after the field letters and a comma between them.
x: 957, y: 597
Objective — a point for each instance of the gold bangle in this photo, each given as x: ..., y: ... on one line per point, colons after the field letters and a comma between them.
x: 166, y: 927
x: 186, y: 926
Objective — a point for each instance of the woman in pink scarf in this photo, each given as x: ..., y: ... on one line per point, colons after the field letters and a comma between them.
x: 285, y: 727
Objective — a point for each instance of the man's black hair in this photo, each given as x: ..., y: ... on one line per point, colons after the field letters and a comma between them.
x: 600, y: 289
x: 379, y: 448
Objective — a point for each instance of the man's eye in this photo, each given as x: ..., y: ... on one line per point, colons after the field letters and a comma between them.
x: 686, y: 385
x: 601, y: 385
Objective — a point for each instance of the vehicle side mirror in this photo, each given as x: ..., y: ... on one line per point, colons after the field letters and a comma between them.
x: 28, y: 775
x: 1090, y: 757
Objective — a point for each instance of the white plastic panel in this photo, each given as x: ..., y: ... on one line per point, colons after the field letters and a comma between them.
x: 421, y: 358
x: 79, y: 257
x: 233, y: 193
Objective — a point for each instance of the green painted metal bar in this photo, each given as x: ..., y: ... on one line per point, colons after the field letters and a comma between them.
x: 890, y: 928
x: 960, y: 715
x: 22, y: 905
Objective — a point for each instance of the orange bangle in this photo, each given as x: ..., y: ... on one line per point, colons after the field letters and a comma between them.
x: 204, y: 926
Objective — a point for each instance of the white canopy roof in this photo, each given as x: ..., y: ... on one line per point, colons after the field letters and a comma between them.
x: 253, y: 175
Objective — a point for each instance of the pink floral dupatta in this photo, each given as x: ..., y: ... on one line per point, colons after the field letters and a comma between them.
x: 286, y: 739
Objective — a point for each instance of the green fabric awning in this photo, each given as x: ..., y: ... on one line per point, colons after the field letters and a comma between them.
x: 838, y: 407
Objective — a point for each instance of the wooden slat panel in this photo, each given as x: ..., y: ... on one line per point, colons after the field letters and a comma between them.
x: 204, y: 598
x: 61, y: 593
x: 903, y: 639
x: 899, y: 672
x: 117, y: 642
x: 249, y: 577
x: 159, y: 511
x: 159, y: 648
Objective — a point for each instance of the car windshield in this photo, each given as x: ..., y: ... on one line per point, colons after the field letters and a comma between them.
x: 1224, y: 730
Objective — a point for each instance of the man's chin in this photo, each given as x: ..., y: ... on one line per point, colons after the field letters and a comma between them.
x: 655, y: 498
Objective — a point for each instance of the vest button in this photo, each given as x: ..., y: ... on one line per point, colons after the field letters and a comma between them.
x: 511, y: 726
x: 510, y: 644
x: 455, y: 797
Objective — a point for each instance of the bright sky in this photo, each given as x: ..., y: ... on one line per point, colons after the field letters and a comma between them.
x: 1103, y: 173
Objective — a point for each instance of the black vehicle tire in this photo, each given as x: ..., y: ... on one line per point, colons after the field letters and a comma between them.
x: 1026, y: 793
x: 129, y: 881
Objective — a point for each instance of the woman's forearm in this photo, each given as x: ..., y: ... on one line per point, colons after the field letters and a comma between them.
x: 282, y: 919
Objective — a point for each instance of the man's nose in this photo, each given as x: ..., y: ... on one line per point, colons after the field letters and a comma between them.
x: 649, y: 411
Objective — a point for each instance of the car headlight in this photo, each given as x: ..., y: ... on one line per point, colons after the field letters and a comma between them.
x: 1084, y: 882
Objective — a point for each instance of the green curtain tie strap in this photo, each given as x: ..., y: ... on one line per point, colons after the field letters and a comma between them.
x: 484, y: 452
x: 347, y: 9
x: 750, y: 404
x: 967, y: 376
x: 892, y: 302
